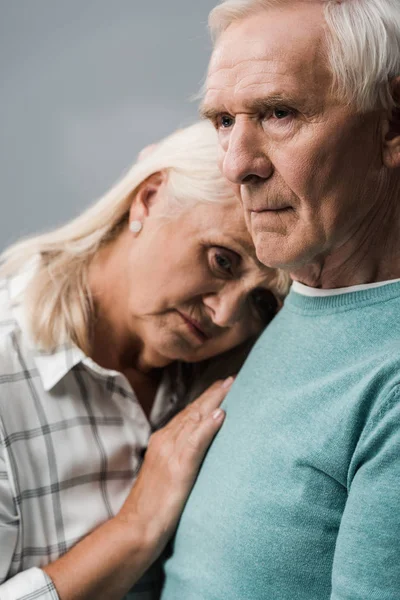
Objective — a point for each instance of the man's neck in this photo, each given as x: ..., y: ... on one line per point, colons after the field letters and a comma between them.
x: 371, y: 254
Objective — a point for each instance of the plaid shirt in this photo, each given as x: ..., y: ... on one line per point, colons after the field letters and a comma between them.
x: 72, y: 435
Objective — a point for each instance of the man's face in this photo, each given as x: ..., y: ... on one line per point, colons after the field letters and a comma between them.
x: 308, y: 167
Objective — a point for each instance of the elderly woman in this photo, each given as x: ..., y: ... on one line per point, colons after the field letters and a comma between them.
x: 100, y: 324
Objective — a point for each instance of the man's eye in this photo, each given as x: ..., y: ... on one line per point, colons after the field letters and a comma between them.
x: 265, y: 304
x: 224, y: 122
x: 281, y: 113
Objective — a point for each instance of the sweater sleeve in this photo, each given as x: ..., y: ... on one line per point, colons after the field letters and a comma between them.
x: 366, y: 562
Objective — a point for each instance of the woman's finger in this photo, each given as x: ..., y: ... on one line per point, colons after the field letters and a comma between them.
x: 178, y: 430
x: 199, y: 439
x: 211, y: 398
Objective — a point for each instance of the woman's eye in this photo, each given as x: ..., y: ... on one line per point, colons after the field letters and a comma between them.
x: 223, y: 262
x: 265, y: 304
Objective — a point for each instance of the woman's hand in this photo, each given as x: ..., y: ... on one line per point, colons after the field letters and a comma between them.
x: 109, y: 561
x: 171, y: 464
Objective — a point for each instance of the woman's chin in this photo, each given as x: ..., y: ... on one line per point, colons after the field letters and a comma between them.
x: 174, y: 346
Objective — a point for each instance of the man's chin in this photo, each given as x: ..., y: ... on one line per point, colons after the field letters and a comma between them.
x: 277, y: 252
x: 269, y: 249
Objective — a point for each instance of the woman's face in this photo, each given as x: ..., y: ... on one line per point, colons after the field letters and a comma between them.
x: 195, y: 287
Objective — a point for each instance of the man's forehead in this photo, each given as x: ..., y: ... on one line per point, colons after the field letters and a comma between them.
x: 254, y: 90
x: 282, y: 43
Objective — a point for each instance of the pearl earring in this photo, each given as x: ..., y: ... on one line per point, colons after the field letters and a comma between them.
x: 135, y: 226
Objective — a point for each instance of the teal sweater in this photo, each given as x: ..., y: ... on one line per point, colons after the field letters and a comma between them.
x: 299, y: 496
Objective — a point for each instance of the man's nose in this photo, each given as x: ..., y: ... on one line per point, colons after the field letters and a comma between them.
x: 244, y: 160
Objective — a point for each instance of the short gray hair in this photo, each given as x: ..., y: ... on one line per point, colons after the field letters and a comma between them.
x: 363, y: 39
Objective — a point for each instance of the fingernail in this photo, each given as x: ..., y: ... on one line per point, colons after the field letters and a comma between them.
x: 218, y: 414
x: 227, y: 383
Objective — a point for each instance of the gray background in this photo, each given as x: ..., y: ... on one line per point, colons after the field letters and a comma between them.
x: 85, y: 84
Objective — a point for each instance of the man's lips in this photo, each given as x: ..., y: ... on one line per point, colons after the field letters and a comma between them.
x: 195, y: 327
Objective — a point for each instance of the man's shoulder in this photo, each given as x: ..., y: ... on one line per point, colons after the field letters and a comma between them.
x: 385, y: 368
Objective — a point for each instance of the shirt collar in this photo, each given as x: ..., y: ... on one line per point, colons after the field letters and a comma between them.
x: 54, y: 365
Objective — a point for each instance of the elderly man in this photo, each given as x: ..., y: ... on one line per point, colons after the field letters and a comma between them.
x: 299, y: 498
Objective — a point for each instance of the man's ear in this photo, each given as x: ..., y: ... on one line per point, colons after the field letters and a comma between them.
x: 391, y: 142
x: 146, y: 197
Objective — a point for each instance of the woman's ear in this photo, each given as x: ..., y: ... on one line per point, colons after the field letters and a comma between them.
x: 391, y: 142
x: 146, y: 197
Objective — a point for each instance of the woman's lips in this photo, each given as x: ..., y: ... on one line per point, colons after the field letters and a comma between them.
x: 195, y: 328
x: 267, y: 210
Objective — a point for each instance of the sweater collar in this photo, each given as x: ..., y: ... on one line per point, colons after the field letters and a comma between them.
x: 340, y: 299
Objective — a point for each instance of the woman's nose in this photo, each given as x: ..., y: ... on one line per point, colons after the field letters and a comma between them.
x: 227, y: 308
x: 243, y: 158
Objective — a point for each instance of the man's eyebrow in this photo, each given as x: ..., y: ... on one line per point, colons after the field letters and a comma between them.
x: 257, y: 105
x: 266, y: 103
x: 209, y: 112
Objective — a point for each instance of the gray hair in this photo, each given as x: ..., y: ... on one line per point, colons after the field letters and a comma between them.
x: 363, y: 39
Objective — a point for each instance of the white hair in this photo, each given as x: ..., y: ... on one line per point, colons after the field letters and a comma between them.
x: 363, y: 44
x: 57, y: 300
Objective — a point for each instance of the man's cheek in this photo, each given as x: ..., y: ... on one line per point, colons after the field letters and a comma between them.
x: 247, y: 221
x: 221, y: 155
x: 237, y: 191
x: 234, y: 186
